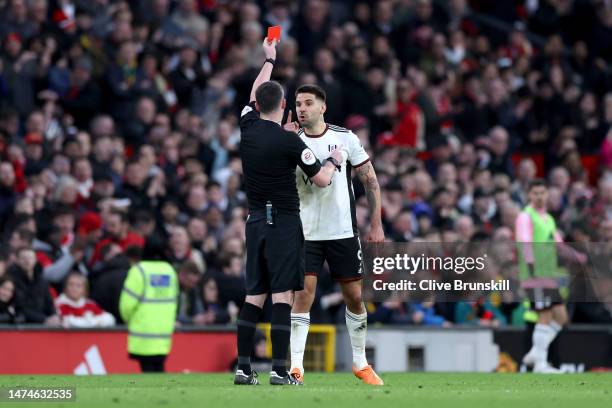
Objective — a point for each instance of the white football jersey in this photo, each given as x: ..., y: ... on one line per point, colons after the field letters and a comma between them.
x: 329, y: 212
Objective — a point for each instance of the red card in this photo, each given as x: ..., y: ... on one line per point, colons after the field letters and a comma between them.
x: 274, y: 33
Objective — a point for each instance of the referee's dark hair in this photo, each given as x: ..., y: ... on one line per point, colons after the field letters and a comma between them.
x: 269, y: 96
x: 316, y: 90
x: 538, y: 182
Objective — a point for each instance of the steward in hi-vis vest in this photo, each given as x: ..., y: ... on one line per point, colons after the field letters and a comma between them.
x: 148, y: 305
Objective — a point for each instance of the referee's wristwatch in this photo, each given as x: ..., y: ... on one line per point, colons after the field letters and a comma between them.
x: 334, y: 162
x: 271, y: 61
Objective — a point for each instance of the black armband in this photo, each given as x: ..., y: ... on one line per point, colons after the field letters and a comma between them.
x: 271, y: 61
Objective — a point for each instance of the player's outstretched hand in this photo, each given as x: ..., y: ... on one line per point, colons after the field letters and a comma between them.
x: 291, y: 126
x: 339, y: 154
x: 269, y: 48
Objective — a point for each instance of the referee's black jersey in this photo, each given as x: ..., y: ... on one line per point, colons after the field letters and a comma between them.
x: 270, y: 156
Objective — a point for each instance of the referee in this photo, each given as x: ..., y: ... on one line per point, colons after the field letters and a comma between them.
x: 274, y: 239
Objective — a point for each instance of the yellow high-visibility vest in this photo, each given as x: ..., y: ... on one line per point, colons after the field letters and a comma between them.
x: 148, y: 305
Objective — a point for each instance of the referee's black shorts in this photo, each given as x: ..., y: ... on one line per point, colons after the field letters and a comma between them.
x: 275, y: 254
x: 343, y: 257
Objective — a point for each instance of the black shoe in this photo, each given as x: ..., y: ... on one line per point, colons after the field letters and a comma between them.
x: 242, y: 379
x: 287, y: 379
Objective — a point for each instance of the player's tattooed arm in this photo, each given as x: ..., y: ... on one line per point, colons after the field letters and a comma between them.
x: 367, y: 176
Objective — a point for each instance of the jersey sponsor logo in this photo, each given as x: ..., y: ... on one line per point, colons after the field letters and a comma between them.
x: 159, y: 281
x: 245, y: 110
x: 308, y: 157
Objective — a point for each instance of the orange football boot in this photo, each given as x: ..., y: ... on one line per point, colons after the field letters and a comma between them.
x: 297, y: 374
x: 368, y: 376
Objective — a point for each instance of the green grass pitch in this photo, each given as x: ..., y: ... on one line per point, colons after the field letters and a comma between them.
x: 334, y: 390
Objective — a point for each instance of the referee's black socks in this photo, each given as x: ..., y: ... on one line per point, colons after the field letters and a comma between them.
x: 247, y: 324
x: 281, y: 333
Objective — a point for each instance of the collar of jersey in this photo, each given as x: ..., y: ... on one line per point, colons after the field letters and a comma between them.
x: 319, y: 135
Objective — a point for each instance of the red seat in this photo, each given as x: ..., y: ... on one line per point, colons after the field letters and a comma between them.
x: 591, y: 163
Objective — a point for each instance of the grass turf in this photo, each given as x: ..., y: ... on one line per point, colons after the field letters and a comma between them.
x: 337, y: 390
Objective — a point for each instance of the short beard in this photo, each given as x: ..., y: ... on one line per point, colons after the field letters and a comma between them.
x: 310, y: 124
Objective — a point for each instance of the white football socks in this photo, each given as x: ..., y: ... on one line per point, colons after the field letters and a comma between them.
x: 357, y: 325
x: 543, y: 335
x: 556, y: 329
x: 300, y: 323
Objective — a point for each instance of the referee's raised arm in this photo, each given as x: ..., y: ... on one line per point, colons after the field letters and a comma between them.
x: 266, y: 70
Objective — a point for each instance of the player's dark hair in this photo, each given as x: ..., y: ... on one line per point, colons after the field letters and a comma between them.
x: 316, y: 90
x: 536, y: 183
x: 269, y: 96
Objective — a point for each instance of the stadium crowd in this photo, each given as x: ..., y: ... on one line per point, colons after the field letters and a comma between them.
x: 118, y: 137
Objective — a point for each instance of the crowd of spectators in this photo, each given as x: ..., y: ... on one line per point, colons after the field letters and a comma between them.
x: 118, y: 136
